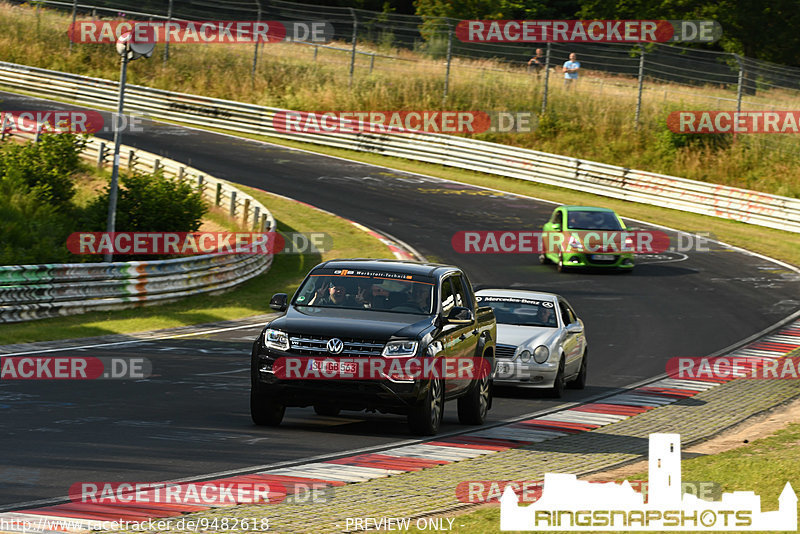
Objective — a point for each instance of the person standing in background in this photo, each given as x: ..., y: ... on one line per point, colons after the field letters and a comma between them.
x: 570, y: 70
x: 537, y: 62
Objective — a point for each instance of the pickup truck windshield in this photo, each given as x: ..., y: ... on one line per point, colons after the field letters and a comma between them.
x: 367, y: 290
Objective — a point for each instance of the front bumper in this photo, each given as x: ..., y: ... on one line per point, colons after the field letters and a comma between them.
x: 598, y: 260
x: 530, y: 374
x: 349, y: 394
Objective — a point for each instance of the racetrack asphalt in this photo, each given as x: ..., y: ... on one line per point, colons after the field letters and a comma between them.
x: 192, y: 418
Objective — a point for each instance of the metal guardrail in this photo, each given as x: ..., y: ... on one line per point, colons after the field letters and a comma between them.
x: 743, y: 205
x: 39, y: 291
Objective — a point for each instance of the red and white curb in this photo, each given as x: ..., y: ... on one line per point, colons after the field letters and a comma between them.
x: 81, y: 517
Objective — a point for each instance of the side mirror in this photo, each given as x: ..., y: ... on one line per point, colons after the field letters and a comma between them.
x: 460, y: 315
x: 278, y: 302
x: 574, y: 328
x: 556, y: 227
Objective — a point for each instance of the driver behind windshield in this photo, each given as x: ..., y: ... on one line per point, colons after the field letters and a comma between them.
x: 546, y: 316
x: 333, y: 293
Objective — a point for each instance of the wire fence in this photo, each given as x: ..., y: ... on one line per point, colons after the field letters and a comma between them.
x: 368, y: 41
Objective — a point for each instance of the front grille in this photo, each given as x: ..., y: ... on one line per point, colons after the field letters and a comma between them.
x: 505, y: 351
x: 316, y: 346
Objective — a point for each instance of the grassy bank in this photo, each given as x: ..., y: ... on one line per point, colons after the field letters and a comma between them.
x: 250, y: 298
x: 593, y: 122
x: 763, y: 466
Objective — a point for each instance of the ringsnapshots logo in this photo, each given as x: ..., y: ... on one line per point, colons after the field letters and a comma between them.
x: 568, y: 504
x: 202, y: 32
x: 74, y: 368
x: 588, y: 31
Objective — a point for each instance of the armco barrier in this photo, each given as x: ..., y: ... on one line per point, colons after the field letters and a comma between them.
x: 39, y: 291
x: 607, y: 180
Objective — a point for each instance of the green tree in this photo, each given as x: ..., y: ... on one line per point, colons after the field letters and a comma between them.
x: 150, y: 203
x: 47, y: 166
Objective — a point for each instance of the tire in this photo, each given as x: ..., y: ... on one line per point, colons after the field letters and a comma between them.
x: 557, y: 391
x: 561, y: 267
x: 264, y: 410
x: 327, y: 410
x: 580, y: 381
x: 544, y: 260
x: 473, y: 407
x: 425, y: 418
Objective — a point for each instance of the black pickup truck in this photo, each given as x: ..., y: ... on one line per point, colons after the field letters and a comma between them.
x: 353, y: 323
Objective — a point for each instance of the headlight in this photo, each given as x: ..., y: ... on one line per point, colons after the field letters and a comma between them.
x: 276, y: 339
x: 540, y: 354
x: 395, y: 349
x: 575, y: 243
x: 525, y: 356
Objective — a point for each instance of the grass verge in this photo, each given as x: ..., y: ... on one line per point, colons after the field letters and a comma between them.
x: 250, y: 298
x: 763, y: 466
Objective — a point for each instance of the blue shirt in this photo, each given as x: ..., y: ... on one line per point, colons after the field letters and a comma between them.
x: 571, y: 65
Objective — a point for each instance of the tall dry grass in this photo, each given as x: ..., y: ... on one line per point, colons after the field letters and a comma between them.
x: 593, y: 120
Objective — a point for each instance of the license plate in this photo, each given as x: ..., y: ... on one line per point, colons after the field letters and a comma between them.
x: 503, y: 369
x: 602, y: 256
x: 332, y: 367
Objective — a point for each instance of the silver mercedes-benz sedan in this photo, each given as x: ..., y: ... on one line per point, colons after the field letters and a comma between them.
x: 541, y: 342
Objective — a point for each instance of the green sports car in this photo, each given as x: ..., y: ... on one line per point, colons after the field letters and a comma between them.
x: 577, y: 222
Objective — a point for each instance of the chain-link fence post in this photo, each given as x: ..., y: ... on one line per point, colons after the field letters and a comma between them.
x: 641, y: 86
x: 166, y: 32
x: 255, y: 53
x: 546, y: 78
x: 74, y: 16
x: 353, y: 53
x: 449, y: 60
x: 740, y: 83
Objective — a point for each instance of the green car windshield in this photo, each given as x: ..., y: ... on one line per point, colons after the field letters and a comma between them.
x: 592, y: 220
